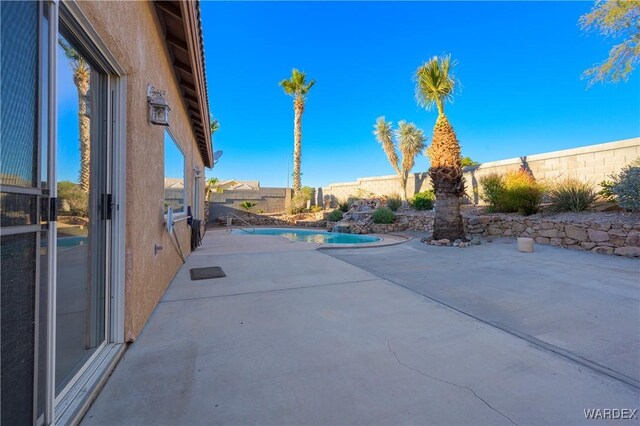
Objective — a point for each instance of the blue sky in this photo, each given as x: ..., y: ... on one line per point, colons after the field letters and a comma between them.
x: 519, y: 64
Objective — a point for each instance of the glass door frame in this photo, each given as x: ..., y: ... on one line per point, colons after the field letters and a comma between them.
x: 73, y: 400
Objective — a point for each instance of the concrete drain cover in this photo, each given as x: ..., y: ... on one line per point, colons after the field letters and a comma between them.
x: 206, y: 273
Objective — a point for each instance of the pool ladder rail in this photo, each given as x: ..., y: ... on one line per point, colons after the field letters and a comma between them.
x: 253, y: 229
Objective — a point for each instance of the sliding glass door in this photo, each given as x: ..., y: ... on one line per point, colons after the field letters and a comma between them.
x: 56, y: 174
x: 82, y: 208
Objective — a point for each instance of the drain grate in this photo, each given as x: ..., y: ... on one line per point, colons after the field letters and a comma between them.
x: 207, y: 273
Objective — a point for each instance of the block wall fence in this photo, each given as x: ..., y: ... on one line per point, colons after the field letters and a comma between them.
x: 593, y: 163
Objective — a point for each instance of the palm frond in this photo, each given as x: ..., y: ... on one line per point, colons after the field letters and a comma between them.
x: 297, y: 85
x: 434, y: 83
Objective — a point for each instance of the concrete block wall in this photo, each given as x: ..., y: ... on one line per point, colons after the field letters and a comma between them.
x: 269, y: 200
x: 593, y: 163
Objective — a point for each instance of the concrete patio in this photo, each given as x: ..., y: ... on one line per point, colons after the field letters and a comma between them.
x: 406, y: 334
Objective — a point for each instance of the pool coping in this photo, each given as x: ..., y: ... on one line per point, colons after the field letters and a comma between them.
x: 385, y: 240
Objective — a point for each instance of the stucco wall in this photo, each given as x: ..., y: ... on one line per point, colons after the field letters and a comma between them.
x: 592, y: 163
x: 132, y: 33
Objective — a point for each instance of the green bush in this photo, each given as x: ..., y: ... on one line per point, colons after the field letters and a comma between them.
x: 383, y: 215
x: 343, y: 206
x: 522, y: 194
x: 571, y: 195
x: 514, y: 192
x: 299, y: 200
x: 606, y: 193
x: 335, y: 216
x: 394, y: 202
x: 247, y: 205
x: 492, y: 187
x: 423, y: 200
x: 77, y: 199
x: 626, y: 187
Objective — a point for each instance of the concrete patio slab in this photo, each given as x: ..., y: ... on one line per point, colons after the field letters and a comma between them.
x: 335, y: 345
x: 581, y: 303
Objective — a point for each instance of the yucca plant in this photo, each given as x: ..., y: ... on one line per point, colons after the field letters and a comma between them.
x: 571, y: 195
x: 297, y: 87
x: 435, y: 86
x: 410, y: 140
x: 394, y: 202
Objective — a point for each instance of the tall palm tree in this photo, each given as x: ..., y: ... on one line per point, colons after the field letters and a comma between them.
x: 297, y: 87
x: 434, y: 86
x: 81, y: 75
x: 411, y: 143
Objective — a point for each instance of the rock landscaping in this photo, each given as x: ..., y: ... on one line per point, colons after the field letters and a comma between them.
x: 616, y: 233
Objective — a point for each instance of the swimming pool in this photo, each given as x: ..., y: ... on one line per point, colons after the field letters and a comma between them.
x: 311, y: 236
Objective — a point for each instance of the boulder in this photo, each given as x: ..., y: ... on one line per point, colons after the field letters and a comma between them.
x: 627, y: 251
x: 576, y: 233
x: 633, y: 239
x: 602, y: 250
x: 549, y: 233
x: 597, y: 235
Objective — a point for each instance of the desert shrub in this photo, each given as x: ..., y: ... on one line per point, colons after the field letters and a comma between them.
x: 571, y: 195
x: 77, y: 199
x: 247, y: 205
x: 423, y: 200
x: 626, y: 187
x: 492, y: 188
x: 300, y: 199
x: 511, y: 193
x: 606, y: 193
x: 343, y: 206
x: 352, y: 200
x: 383, y: 215
x: 522, y: 194
x: 394, y: 202
x: 315, y: 209
x: 335, y: 216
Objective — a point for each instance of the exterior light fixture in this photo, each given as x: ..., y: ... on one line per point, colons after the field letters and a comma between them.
x: 158, y: 106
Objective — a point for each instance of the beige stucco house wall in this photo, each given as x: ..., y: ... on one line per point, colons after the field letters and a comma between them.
x: 133, y: 33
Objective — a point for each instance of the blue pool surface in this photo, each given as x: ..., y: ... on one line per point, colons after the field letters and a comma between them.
x: 70, y: 242
x: 311, y: 235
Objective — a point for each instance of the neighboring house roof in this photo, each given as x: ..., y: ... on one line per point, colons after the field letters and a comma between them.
x: 182, y: 26
x: 239, y: 185
x: 177, y: 183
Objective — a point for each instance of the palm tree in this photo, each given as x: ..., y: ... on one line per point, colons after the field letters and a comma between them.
x: 81, y: 75
x: 211, y: 186
x: 411, y: 143
x: 435, y: 86
x: 297, y: 87
x: 215, y: 125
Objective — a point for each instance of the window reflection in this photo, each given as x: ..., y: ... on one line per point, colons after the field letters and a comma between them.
x: 173, y: 175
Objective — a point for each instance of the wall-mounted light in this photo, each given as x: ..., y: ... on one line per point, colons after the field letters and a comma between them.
x: 197, y: 173
x: 158, y: 106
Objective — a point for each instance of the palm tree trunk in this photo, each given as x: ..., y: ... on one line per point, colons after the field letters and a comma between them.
x: 448, y: 221
x: 81, y: 80
x: 298, y: 109
x: 448, y: 182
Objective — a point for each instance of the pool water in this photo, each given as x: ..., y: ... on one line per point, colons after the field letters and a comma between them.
x: 311, y: 236
x: 70, y: 242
